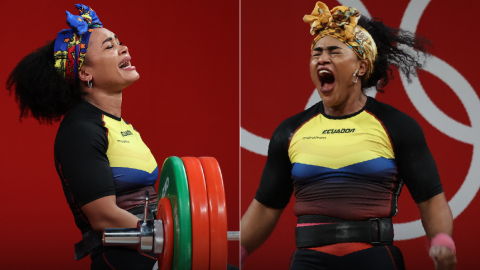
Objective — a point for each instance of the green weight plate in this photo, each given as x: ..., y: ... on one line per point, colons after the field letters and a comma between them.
x: 174, y: 186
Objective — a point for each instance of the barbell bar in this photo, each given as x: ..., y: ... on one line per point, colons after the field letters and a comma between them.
x: 189, y: 231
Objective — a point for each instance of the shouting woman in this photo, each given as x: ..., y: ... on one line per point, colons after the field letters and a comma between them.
x: 347, y: 157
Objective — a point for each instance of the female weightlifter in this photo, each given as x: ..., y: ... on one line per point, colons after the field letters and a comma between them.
x: 102, y: 162
x: 349, y: 155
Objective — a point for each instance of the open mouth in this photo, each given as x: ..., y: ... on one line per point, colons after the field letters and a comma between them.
x: 327, y: 80
x: 125, y: 64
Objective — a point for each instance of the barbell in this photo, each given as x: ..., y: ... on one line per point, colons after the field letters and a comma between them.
x: 190, y: 229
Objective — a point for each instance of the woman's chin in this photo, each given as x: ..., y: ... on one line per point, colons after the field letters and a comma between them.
x: 133, y: 78
x: 126, y: 84
x: 137, y: 78
x: 328, y: 101
x: 326, y: 96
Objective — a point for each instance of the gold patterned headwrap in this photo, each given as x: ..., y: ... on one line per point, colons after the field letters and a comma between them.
x: 341, y: 23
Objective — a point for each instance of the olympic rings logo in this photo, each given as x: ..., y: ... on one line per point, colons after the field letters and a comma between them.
x: 425, y: 106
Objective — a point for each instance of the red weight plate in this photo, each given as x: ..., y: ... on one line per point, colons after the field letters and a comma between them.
x: 164, y: 212
x: 217, y: 213
x: 199, y: 210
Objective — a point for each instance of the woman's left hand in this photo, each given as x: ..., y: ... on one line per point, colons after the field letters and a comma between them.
x: 443, y: 257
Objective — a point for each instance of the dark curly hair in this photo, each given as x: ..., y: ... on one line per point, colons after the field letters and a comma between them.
x: 39, y: 90
x: 389, y: 53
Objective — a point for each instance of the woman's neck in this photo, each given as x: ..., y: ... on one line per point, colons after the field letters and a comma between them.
x: 352, y: 104
x: 107, y: 102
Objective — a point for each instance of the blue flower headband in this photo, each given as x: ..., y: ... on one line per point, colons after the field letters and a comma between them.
x: 71, y: 44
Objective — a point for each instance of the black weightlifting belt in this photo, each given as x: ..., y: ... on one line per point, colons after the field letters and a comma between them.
x: 375, y: 231
x: 92, y: 241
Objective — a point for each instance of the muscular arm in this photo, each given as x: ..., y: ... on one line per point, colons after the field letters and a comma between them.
x: 104, y: 213
x: 257, y: 224
x: 418, y: 171
x: 274, y: 191
x: 436, y: 216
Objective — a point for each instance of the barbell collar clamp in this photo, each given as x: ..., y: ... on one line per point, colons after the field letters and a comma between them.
x: 146, y: 229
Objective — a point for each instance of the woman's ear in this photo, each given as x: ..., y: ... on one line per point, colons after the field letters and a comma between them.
x: 84, y: 75
x: 363, y: 68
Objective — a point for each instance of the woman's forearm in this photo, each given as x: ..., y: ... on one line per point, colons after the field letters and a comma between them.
x: 436, y: 216
x: 437, y: 220
x: 257, y: 224
x: 104, y: 213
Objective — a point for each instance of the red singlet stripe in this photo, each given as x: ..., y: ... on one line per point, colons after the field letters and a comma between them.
x: 107, y: 261
x: 393, y: 261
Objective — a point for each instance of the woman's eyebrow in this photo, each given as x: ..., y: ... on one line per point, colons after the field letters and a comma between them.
x: 109, y: 39
x: 329, y: 48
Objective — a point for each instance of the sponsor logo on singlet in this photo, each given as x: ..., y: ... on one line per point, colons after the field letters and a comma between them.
x: 338, y: 130
x: 126, y: 133
x: 313, y: 138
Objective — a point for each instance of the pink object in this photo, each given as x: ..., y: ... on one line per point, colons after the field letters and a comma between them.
x: 443, y: 239
x: 310, y: 224
x: 244, y: 255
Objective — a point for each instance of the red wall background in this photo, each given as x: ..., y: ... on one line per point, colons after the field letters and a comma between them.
x: 275, y: 45
x: 186, y: 103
